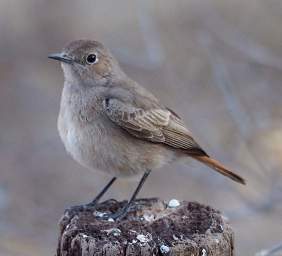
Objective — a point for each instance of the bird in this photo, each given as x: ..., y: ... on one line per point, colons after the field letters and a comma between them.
x: 109, y: 122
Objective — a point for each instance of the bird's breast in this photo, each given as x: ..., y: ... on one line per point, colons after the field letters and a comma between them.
x: 94, y: 141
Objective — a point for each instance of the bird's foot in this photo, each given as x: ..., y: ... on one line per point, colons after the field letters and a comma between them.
x: 114, y: 216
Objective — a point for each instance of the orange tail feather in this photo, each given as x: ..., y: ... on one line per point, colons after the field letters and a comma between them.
x: 217, y: 166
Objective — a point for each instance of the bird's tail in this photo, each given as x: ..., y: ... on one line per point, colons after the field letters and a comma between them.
x: 217, y: 166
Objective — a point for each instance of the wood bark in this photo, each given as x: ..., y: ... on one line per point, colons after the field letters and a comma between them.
x: 150, y: 228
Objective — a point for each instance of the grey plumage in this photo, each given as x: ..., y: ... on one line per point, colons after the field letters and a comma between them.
x: 156, y: 125
x: 110, y: 123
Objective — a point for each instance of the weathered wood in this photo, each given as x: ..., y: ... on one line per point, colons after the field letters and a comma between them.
x: 150, y: 228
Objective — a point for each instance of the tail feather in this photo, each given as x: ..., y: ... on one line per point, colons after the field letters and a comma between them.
x: 217, y: 166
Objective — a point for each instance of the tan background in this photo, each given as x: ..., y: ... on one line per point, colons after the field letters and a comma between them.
x: 217, y: 63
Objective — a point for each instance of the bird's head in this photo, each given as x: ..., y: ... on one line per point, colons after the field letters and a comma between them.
x: 88, y: 62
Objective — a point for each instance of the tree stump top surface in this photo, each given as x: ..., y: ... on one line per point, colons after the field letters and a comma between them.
x: 150, y: 228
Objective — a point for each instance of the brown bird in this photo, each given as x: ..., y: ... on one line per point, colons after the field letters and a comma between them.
x: 110, y: 123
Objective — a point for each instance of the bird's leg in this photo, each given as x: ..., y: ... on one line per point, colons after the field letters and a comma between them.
x: 91, y: 206
x: 120, y: 214
x: 102, y: 192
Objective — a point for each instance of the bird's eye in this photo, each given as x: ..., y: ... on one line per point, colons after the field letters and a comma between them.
x: 91, y: 58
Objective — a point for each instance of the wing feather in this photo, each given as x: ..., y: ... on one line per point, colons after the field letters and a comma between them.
x: 155, y: 125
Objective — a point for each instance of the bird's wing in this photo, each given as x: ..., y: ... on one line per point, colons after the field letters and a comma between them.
x: 156, y: 124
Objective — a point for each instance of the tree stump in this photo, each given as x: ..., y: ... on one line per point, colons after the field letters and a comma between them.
x: 152, y: 227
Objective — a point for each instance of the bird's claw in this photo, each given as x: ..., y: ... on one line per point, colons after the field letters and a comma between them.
x: 113, y: 216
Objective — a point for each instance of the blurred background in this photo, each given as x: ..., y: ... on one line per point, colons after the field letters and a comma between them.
x: 217, y: 63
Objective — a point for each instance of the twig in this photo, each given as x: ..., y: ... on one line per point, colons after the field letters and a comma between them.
x: 238, y: 40
x: 271, y: 251
x: 150, y: 33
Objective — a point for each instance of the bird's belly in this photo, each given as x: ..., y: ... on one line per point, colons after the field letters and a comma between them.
x: 112, y: 150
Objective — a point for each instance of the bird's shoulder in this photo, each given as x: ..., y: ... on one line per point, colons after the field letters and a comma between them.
x: 132, y: 93
x: 141, y: 114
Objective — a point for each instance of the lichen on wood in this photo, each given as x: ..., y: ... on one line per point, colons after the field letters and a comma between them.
x: 150, y: 228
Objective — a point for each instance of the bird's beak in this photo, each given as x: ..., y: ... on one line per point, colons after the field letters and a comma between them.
x: 61, y: 57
